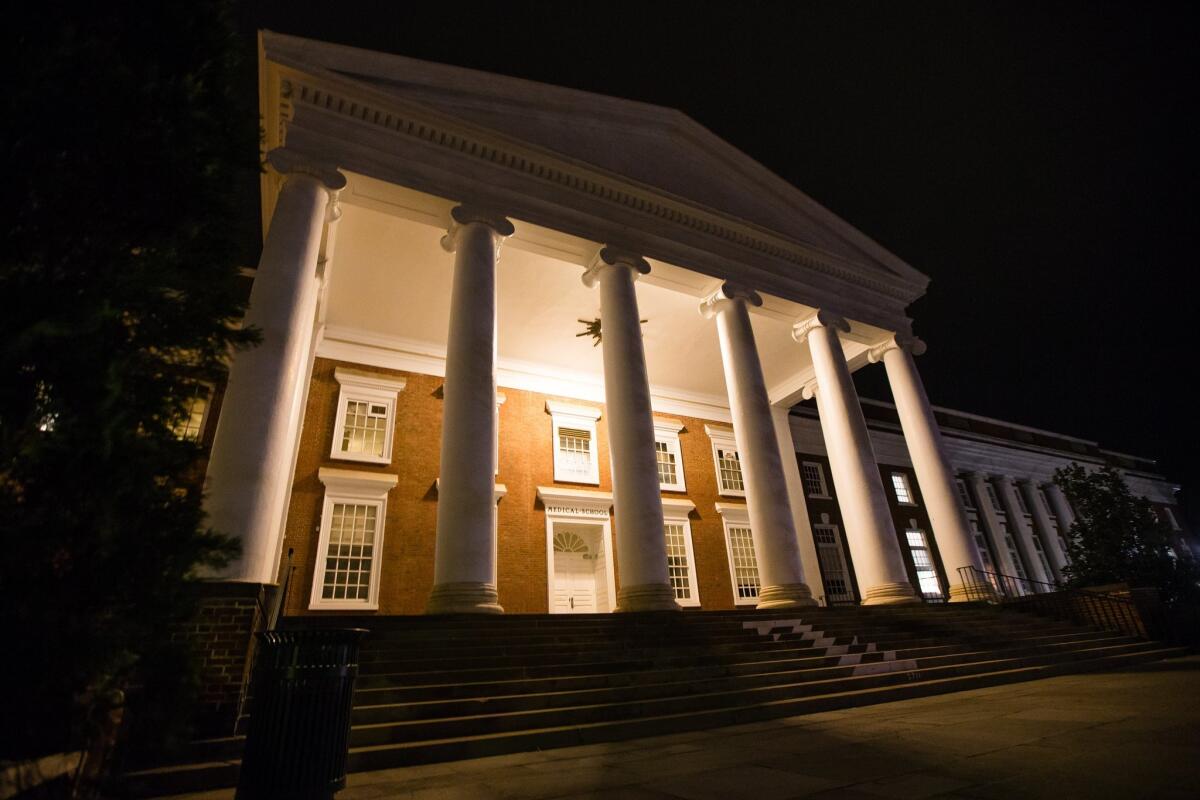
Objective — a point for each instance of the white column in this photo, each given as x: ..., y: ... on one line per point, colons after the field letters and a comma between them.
x: 464, y: 562
x: 1062, y: 509
x: 991, y: 524
x: 1019, y: 527
x: 637, y: 500
x: 249, y: 478
x: 934, y: 476
x: 1042, y: 527
x: 870, y: 532
x: 776, y: 545
x: 796, y: 495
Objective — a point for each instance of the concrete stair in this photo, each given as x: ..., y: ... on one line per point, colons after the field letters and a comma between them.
x: 445, y: 688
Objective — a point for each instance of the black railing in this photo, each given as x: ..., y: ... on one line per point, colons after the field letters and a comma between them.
x: 1080, y: 606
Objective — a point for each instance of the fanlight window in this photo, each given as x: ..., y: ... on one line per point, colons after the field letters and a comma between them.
x: 568, y: 542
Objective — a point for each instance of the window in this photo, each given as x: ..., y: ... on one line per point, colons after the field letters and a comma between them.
x: 918, y: 548
x: 985, y: 554
x: 681, y: 561
x: 1041, y: 493
x: 574, y: 430
x: 1022, y: 506
x: 190, y: 425
x: 1014, y: 555
x: 964, y: 494
x: 727, y: 461
x: 743, y: 564
x: 669, y: 454
x: 901, y: 488
x: 366, y: 415
x: 1041, y: 554
x: 832, y: 561
x: 346, y: 573
x: 993, y: 498
x: 814, y: 479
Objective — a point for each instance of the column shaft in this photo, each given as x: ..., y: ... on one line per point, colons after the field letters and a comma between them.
x: 934, y: 475
x: 637, y: 500
x: 797, y: 497
x: 464, y: 558
x: 1042, y: 527
x: 249, y: 478
x: 991, y: 524
x: 1021, y: 530
x: 776, y: 545
x: 870, y: 532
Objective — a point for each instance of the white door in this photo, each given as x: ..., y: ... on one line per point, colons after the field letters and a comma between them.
x: 574, y: 575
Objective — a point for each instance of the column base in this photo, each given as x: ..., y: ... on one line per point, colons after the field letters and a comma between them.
x: 647, y: 597
x: 464, y: 597
x: 981, y: 593
x: 890, y: 594
x: 786, y: 595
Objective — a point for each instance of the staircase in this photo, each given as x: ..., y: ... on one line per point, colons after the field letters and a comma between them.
x: 445, y: 688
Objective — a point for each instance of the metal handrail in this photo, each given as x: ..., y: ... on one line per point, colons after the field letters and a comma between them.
x: 1080, y: 606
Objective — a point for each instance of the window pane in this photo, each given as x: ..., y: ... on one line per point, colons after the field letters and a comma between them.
x: 677, y: 563
x: 814, y: 479
x: 349, y: 556
x: 666, y: 464
x: 730, y: 469
x: 927, y: 577
x: 364, y: 428
x: 900, y: 485
x: 191, y: 424
x: 575, y: 450
x: 745, y: 565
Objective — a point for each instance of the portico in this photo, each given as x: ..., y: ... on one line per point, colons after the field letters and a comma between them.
x: 474, y: 244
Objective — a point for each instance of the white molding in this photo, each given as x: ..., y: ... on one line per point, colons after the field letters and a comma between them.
x: 582, y: 413
x: 367, y: 380
x: 689, y: 553
x: 357, y: 346
x: 677, y: 508
x: 357, y: 483
x: 737, y: 513
x: 582, y: 418
x: 579, y: 503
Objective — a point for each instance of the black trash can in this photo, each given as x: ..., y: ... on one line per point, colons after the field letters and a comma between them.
x: 300, y: 705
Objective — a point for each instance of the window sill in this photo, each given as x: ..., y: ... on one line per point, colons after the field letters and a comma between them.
x: 359, y: 459
x: 334, y: 605
x: 819, y: 497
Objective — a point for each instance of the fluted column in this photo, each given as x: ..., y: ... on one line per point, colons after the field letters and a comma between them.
x: 776, y: 545
x: 870, y: 532
x: 934, y: 476
x: 464, y: 558
x: 1063, y: 512
x: 991, y: 524
x: 1042, y: 526
x: 637, y: 500
x: 249, y: 476
x: 1020, y: 529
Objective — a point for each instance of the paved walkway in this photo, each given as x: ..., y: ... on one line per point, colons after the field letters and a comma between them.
x: 1133, y: 733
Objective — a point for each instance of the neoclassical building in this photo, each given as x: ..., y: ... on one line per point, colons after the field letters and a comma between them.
x: 530, y: 349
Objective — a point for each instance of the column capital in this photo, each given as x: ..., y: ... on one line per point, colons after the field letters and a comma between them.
x: 897, y: 341
x: 609, y: 256
x: 821, y: 319
x: 809, y: 390
x: 729, y: 291
x: 288, y: 163
x: 465, y: 214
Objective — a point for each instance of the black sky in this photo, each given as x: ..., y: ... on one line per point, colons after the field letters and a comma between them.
x: 1036, y: 160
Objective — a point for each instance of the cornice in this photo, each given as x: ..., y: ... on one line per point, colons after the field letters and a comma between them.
x: 366, y: 106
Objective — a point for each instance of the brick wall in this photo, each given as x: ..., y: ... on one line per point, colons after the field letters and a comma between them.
x: 223, y: 634
x: 526, y: 462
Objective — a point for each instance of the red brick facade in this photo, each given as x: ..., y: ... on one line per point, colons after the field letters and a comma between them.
x: 526, y: 462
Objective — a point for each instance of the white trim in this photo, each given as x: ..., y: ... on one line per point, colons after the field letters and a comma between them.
x: 565, y: 415
x: 676, y: 513
x: 667, y: 431
x: 738, y: 516
x: 366, y: 388
x: 578, y: 506
x: 351, y: 487
x: 723, y: 439
x: 357, y: 346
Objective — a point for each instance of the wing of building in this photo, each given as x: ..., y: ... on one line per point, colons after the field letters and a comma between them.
x: 531, y: 349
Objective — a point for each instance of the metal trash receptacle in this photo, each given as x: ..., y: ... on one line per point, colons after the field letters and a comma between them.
x: 300, y: 704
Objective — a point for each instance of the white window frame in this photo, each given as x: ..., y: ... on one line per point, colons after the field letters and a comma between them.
x: 908, y: 490
x: 737, y: 516
x: 367, y: 388
x: 839, y: 545
x: 824, y: 493
x: 676, y: 512
x: 666, y: 431
x: 913, y: 527
x: 500, y: 398
x: 722, y: 439
x: 566, y: 415
x: 356, y: 488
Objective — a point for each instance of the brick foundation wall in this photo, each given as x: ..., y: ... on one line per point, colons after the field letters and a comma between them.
x: 222, y: 634
x: 526, y: 462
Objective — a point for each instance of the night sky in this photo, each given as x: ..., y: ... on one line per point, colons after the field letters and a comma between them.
x: 1038, y: 163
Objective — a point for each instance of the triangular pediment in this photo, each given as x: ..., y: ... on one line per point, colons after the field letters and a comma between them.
x: 651, y: 145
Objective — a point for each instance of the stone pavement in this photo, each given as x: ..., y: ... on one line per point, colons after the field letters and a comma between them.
x: 1132, y: 733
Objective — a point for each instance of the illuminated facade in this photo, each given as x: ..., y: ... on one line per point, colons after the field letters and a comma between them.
x: 430, y: 425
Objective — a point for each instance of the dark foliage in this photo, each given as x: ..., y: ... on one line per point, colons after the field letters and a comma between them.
x: 1118, y: 538
x: 130, y: 140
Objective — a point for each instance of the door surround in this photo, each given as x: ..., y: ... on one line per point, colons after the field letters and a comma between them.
x: 577, y: 506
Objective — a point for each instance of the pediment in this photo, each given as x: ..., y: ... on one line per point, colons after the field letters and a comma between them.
x: 649, y: 145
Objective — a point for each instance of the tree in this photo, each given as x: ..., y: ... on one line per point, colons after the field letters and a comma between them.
x: 1118, y: 538
x: 132, y: 147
